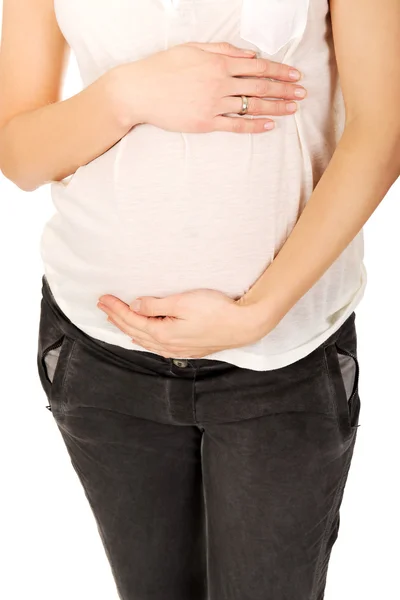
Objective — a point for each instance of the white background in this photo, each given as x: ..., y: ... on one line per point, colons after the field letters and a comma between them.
x: 50, y: 548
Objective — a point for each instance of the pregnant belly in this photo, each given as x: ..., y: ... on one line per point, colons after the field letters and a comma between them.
x: 161, y: 213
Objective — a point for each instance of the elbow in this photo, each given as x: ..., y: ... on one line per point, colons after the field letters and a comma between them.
x: 12, y: 170
x: 11, y: 165
x: 18, y: 178
x: 26, y: 187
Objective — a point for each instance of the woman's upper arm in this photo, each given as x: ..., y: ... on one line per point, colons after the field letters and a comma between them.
x: 33, y: 55
x: 367, y: 44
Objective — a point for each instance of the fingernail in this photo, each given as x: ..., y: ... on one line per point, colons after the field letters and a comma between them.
x: 300, y: 93
x: 249, y: 51
x: 135, y: 305
x: 291, y: 106
x: 269, y: 125
x: 294, y: 74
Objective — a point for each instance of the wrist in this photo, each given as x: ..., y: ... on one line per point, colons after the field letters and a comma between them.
x: 125, y: 106
x: 261, y: 316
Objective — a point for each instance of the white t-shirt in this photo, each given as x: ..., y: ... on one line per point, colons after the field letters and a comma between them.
x: 163, y: 212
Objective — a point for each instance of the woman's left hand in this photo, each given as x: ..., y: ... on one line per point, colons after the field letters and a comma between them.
x: 188, y: 325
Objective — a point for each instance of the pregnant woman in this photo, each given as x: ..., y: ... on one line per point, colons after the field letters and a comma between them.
x: 197, y: 340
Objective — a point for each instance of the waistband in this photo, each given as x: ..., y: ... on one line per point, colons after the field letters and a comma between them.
x: 70, y: 329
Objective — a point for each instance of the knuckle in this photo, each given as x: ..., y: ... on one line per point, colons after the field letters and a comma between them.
x: 254, y: 106
x: 262, y: 88
x: 216, y: 80
x: 225, y: 47
x: 277, y: 70
x: 280, y: 107
x: 252, y: 125
x: 261, y: 65
x: 287, y: 90
x: 282, y: 71
x: 219, y: 61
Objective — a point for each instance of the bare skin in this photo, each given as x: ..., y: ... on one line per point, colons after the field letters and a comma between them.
x: 189, y: 88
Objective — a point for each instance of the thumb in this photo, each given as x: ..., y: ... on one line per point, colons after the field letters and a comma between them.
x: 149, y: 306
x: 224, y: 48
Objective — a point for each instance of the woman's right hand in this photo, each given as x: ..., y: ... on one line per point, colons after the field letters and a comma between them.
x: 191, y: 88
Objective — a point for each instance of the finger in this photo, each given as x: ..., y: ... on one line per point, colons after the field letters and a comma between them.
x: 139, y: 341
x: 262, y: 67
x: 154, y: 307
x: 130, y: 331
x: 223, y: 48
x: 167, y: 352
x: 151, y: 348
x: 118, y: 310
x: 120, y: 325
x: 242, y: 124
x: 264, y: 88
x: 138, y: 334
x: 233, y: 104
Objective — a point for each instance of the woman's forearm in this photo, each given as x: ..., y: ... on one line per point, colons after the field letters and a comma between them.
x: 51, y: 142
x: 364, y: 166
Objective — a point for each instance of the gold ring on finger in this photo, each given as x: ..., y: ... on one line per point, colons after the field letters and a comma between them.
x: 245, y: 105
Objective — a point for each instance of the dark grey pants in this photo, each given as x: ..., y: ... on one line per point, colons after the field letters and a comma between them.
x: 207, y: 481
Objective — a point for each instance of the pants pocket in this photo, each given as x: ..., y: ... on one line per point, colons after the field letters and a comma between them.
x: 51, y: 359
x: 343, y: 371
x: 53, y: 354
